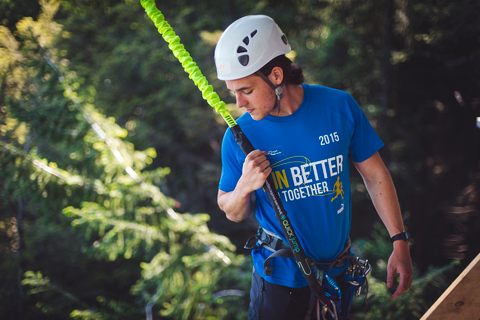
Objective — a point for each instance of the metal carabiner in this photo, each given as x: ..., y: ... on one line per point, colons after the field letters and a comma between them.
x: 248, y: 244
x: 369, y: 268
x: 332, y: 313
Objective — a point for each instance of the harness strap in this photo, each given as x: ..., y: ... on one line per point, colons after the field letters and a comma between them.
x: 339, y: 260
x: 272, y: 242
x: 282, y: 253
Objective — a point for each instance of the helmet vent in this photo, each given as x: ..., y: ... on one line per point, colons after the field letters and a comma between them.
x: 241, y: 49
x: 253, y: 33
x: 243, y: 60
x: 246, y: 40
x: 284, y: 39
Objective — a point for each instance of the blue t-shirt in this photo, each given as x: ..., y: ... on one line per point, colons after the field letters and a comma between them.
x: 309, y: 154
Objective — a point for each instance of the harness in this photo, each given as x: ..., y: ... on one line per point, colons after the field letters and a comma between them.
x: 273, y: 243
x: 353, y: 280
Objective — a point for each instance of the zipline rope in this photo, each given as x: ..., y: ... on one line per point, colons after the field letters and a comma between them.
x: 186, y: 60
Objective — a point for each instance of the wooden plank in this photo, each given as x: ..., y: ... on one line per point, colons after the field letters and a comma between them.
x: 462, y: 298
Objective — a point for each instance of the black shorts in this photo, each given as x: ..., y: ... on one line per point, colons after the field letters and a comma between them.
x: 275, y: 302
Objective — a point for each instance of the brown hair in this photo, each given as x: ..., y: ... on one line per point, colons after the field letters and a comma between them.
x: 292, y: 73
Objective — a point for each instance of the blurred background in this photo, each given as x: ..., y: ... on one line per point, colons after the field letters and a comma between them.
x: 110, y: 158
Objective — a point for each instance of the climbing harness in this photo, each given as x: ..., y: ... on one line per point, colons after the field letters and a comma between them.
x: 326, y: 309
x: 339, y: 290
x: 272, y: 242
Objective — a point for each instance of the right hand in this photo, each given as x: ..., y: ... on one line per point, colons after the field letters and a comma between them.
x: 237, y: 203
x: 256, y: 169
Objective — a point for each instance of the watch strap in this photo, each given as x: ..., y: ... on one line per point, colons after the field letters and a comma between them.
x: 401, y: 236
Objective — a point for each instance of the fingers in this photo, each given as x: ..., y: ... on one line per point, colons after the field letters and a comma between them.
x: 403, y: 285
x: 400, y: 263
x: 390, y: 277
x: 405, y: 278
x: 257, y: 161
x: 256, y: 169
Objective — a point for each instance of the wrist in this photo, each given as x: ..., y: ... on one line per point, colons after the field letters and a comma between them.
x: 401, y: 246
x: 243, y: 188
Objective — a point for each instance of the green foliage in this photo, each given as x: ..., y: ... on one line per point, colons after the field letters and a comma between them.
x: 59, y: 154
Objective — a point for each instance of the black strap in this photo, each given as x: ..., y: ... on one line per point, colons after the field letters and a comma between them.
x: 340, y: 259
x: 284, y: 221
x: 278, y: 89
x: 282, y: 253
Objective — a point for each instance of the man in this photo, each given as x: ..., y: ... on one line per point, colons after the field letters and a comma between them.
x: 304, y: 136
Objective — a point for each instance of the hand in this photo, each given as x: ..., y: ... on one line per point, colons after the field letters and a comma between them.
x: 237, y: 203
x: 255, y: 169
x: 401, y: 263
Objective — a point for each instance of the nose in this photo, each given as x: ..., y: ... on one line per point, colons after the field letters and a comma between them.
x: 241, y: 101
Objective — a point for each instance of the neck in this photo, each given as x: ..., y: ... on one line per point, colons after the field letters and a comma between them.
x: 291, y: 101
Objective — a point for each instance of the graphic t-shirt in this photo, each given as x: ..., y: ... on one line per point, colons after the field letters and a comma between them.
x: 309, y: 154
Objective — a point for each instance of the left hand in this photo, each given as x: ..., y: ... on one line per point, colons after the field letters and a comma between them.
x: 401, y: 263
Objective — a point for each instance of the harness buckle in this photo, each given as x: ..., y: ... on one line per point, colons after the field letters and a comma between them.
x: 264, y: 239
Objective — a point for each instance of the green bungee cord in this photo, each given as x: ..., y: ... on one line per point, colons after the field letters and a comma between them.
x: 186, y: 60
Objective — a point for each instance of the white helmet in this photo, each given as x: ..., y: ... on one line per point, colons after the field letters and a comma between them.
x: 247, y: 45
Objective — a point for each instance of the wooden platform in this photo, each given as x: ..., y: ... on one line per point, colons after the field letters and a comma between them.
x: 461, y: 301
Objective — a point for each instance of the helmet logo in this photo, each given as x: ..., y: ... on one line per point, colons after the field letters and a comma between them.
x: 244, y: 57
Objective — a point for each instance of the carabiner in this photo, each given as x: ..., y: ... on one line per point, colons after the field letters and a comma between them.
x: 256, y: 245
x: 327, y: 311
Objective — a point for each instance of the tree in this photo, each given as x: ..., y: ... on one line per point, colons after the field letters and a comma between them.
x: 65, y: 164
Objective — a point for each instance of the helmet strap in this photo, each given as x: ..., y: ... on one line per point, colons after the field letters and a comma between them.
x: 278, y: 89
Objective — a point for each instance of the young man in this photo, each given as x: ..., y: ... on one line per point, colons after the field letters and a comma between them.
x: 304, y: 135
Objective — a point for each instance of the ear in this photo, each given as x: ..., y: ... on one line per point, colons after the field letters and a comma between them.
x: 276, y: 76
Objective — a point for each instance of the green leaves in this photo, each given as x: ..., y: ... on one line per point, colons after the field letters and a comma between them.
x: 94, y: 191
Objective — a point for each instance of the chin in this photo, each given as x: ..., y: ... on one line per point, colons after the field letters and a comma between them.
x: 258, y: 118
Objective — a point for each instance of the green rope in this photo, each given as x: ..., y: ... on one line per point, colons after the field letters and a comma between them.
x: 186, y: 60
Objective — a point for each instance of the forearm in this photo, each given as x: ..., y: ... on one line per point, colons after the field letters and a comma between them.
x: 236, y: 204
x: 381, y: 189
x: 385, y: 200
x: 384, y: 197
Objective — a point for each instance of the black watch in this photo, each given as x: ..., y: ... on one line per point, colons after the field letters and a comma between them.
x: 401, y: 236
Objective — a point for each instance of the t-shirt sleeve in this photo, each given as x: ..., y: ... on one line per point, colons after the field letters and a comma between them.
x: 231, y: 165
x: 365, y: 141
